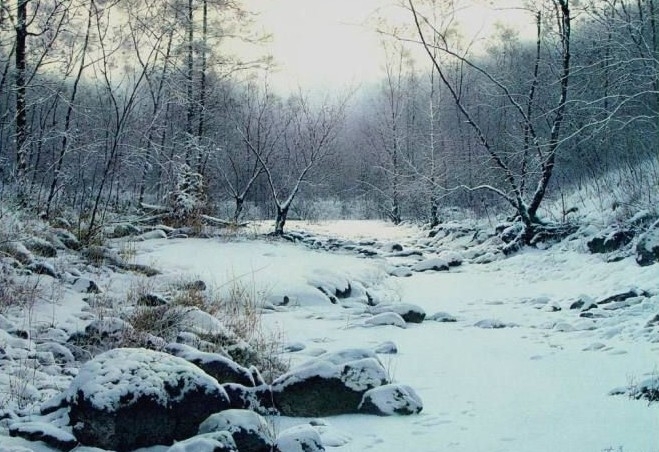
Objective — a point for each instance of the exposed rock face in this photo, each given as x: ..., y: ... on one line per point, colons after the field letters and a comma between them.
x: 129, y: 398
x: 329, y: 385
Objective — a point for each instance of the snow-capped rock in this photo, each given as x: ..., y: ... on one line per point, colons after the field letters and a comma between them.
x: 249, y: 430
x: 435, y: 263
x: 386, y: 318
x: 326, y: 387
x: 391, y: 399
x: 129, y: 398
x: 217, y: 366
x: 301, y: 438
x: 409, y: 312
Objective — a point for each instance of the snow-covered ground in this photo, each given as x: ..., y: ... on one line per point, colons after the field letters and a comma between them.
x: 540, y: 383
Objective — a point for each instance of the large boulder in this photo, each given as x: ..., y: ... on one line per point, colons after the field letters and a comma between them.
x: 329, y: 385
x: 129, y: 398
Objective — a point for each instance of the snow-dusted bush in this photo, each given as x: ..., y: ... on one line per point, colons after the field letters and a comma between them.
x: 188, y: 198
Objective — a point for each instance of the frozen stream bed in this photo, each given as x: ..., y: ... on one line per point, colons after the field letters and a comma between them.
x: 538, y: 383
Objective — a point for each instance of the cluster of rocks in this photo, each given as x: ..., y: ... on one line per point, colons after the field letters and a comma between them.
x: 129, y: 398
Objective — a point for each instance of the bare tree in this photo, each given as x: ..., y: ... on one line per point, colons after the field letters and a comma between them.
x: 309, y: 137
x: 261, y: 126
x: 542, y: 143
x: 387, y: 132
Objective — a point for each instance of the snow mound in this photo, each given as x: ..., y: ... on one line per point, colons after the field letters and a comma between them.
x: 386, y: 318
x: 301, y: 438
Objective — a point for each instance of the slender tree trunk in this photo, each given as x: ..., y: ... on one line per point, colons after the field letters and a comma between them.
x: 239, y: 208
x: 204, y: 62
x: 282, y: 214
x: 21, y: 108
x: 188, y: 81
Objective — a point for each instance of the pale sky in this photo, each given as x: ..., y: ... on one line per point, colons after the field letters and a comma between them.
x: 333, y: 43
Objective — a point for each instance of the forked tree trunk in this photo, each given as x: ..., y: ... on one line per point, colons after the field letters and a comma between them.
x: 282, y: 214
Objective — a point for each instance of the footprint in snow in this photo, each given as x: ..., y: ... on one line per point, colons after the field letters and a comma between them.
x: 432, y: 421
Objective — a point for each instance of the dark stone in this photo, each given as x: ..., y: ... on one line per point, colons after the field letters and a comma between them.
x: 620, y: 297
x: 249, y: 430
x: 577, y: 304
x: 301, y: 438
x: 592, y: 315
x: 442, y: 317
x: 41, y: 247
x: 67, y: 238
x: 124, y: 230
x: 325, y: 389
x: 44, y: 432
x: 258, y: 399
x: 409, y: 312
x: 151, y: 299
x: 153, y: 399
x: 609, y: 242
x: 43, y: 268
x: 654, y: 321
x: 391, y: 399
x: 217, y: 366
x: 86, y: 285
x: 219, y: 441
x: 647, y: 248
x: 197, y: 285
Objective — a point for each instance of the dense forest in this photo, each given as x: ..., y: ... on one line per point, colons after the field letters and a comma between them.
x: 109, y: 104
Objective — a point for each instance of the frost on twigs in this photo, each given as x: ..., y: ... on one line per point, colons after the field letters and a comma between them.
x: 647, y: 389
